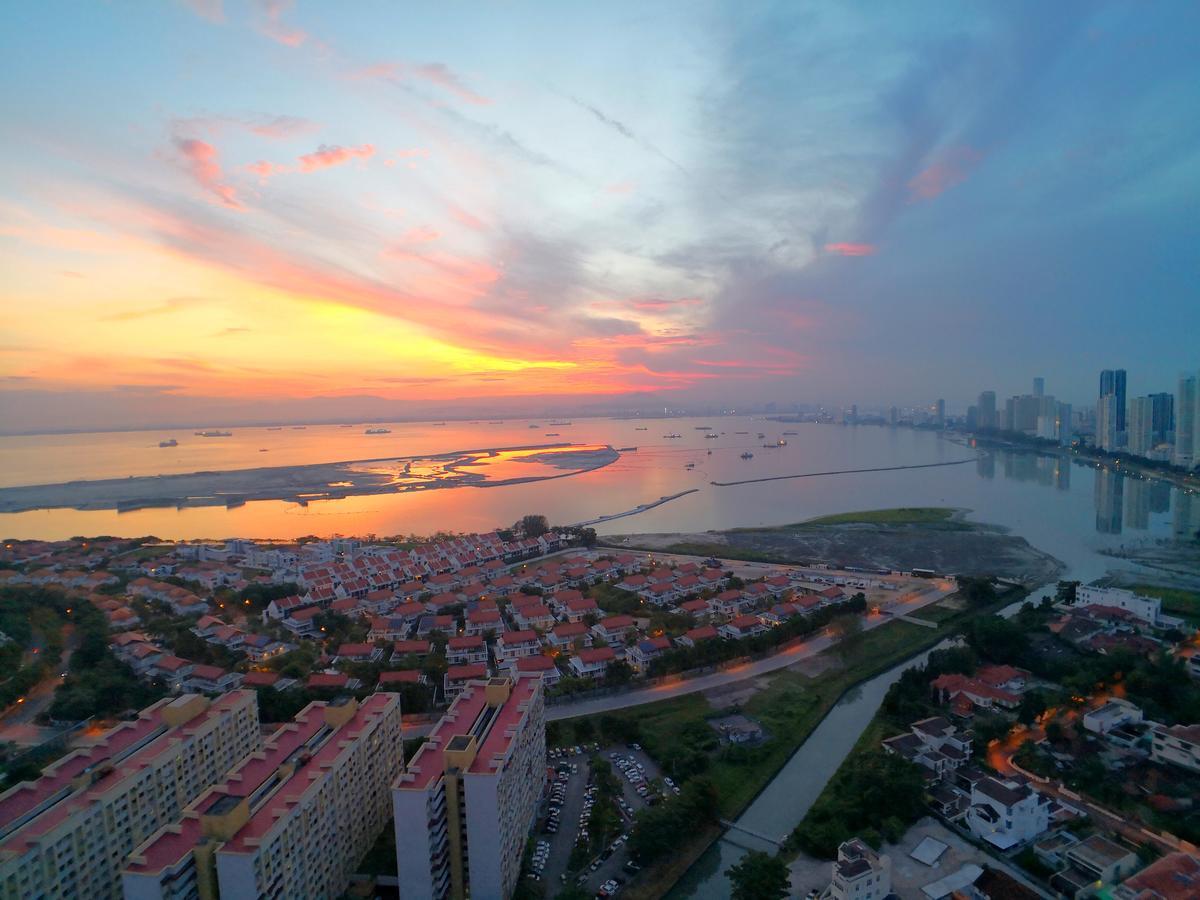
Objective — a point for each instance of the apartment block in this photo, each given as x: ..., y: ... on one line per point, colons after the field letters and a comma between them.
x: 68, y: 833
x: 293, y: 819
x: 466, y: 801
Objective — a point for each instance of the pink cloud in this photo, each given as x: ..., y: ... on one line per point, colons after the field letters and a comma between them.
x: 201, y: 159
x: 462, y: 217
x: 843, y: 248
x: 212, y: 10
x: 952, y: 169
x: 275, y: 28
x: 437, y: 74
x: 325, y: 156
x: 265, y: 170
x: 655, y: 304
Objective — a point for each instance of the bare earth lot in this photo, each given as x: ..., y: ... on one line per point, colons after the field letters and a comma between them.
x: 951, y: 545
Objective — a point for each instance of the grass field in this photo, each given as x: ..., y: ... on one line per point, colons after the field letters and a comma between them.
x: 904, y: 515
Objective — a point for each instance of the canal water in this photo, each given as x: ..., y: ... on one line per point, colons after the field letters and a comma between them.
x: 786, y: 800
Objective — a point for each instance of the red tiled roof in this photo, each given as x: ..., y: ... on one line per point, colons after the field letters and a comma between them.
x: 597, y: 654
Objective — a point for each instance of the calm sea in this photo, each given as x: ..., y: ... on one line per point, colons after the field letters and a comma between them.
x: 1070, y: 510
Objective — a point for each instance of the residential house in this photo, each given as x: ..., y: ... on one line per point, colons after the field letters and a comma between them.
x: 859, y: 873
x: 1093, y: 863
x: 726, y: 603
x: 614, y: 630
x: 564, y: 636
x: 1178, y: 745
x: 466, y: 650
x: 641, y: 654
x: 512, y: 645
x: 697, y: 609
x: 412, y: 649
x: 949, y: 686
x: 741, y: 626
x: 542, y: 665
x: 592, y: 663
x: 457, y: 678
x: 1110, y: 715
x: 696, y: 635
x: 392, y: 681
x: 483, y: 620
x: 211, y: 680
x: 358, y: 653
x: 302, y: 622
x: 1007, y: 814
x: 534, y: 615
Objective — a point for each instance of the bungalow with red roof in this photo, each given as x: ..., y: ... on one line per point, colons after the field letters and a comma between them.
x: 726, y: 603
x: 257, y: 679
x: 456, y: 679
x: 348, y: 607
x: 211, y: 680
x: 566, y: 634
x: 757, y: 593
x: 697, y: 609
x: 429, y: 624
x: 578, y: 610
x: 390, y: 628
x: 635, y: 584
x: 541, y: 665
x: 710, y: 577
x: 402, y: 650
x: 780, y: 613
x: 592, y: 663
x: 358, y: 653
x: 949, y: 687
x: 641, y: 654
x: 391, y: 681
x: 536, y: 615
x: 441, y: 602
x: 301, y: 622
x: 468, y: 649
x: 741, y: 626
x: 480, y: 621
x: 559, y: 599
x: 171, y: 669
x: 512, y: 645
x: 1007, y: 678
x: 778, y: 585
x: 614, y: 629
x: 332, y: 681
x: 696, y: 635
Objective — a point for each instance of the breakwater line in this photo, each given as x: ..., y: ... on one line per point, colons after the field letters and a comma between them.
x: 640, y: 508
x: 957, y: 462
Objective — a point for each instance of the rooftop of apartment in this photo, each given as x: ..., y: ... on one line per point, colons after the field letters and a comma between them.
x: 470, y: 715
x: 32, y: 809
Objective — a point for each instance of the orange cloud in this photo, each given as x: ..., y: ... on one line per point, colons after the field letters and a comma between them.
x: 655, y: 304
x: 849, y: 249
x: 201, y: 159
x: 324, y: 157
x: 275, y: 28
x: 952, y: 169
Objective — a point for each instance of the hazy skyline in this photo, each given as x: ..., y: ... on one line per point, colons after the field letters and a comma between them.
x: 268, y: 210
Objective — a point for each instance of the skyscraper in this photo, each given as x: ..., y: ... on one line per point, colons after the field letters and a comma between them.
x: 1039, y: 386
x: 1186, y: 399
x: 1112, y: 381
x: 1106, y: 422
x: 1163, y: 416
x: 1141, y: 426
x: 939, y: 415
x: 987, y: 409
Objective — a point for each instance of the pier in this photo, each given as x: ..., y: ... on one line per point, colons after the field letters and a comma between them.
x: 640, y: 508
x: 957, y: 462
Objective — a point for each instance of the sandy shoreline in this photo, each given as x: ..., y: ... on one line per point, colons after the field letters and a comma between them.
x: 305, y: 483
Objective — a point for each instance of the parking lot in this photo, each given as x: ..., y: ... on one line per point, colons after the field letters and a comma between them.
x: 566, y: 814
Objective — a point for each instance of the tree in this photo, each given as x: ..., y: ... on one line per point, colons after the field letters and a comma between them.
x: 533, y: 526
x: 759, y: 876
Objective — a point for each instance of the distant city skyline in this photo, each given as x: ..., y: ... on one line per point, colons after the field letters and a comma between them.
x: 275, y: 211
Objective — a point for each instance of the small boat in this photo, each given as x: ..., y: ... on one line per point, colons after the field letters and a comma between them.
x: 747, y: 455
x: 169, y: 443
x: 741, y: 432
x: 626, y: 449
x: 535, y: 425
x: 378, y: 431
x: 495, y: 423
x: 299, y: 427
x: 704, y: 428
x: 761, y: 435
x: 561, y: 423
x: 641, y: 428
x: 712, y: 435
x: 263, y: 450
x: 437, y: 423
x: 551, y: 434
x: 274, y: 428
x: 672, y: 435
x: 791, y: 433
x: 710, y: 453
x: 214, y: 433
x: 690, y: 466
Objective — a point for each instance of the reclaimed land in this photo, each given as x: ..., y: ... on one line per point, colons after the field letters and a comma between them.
x: 894, y: 539
x: 789, y: 706
x: 299, y: 484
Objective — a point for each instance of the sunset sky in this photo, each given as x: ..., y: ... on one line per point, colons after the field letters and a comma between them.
x: 220, y: 212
